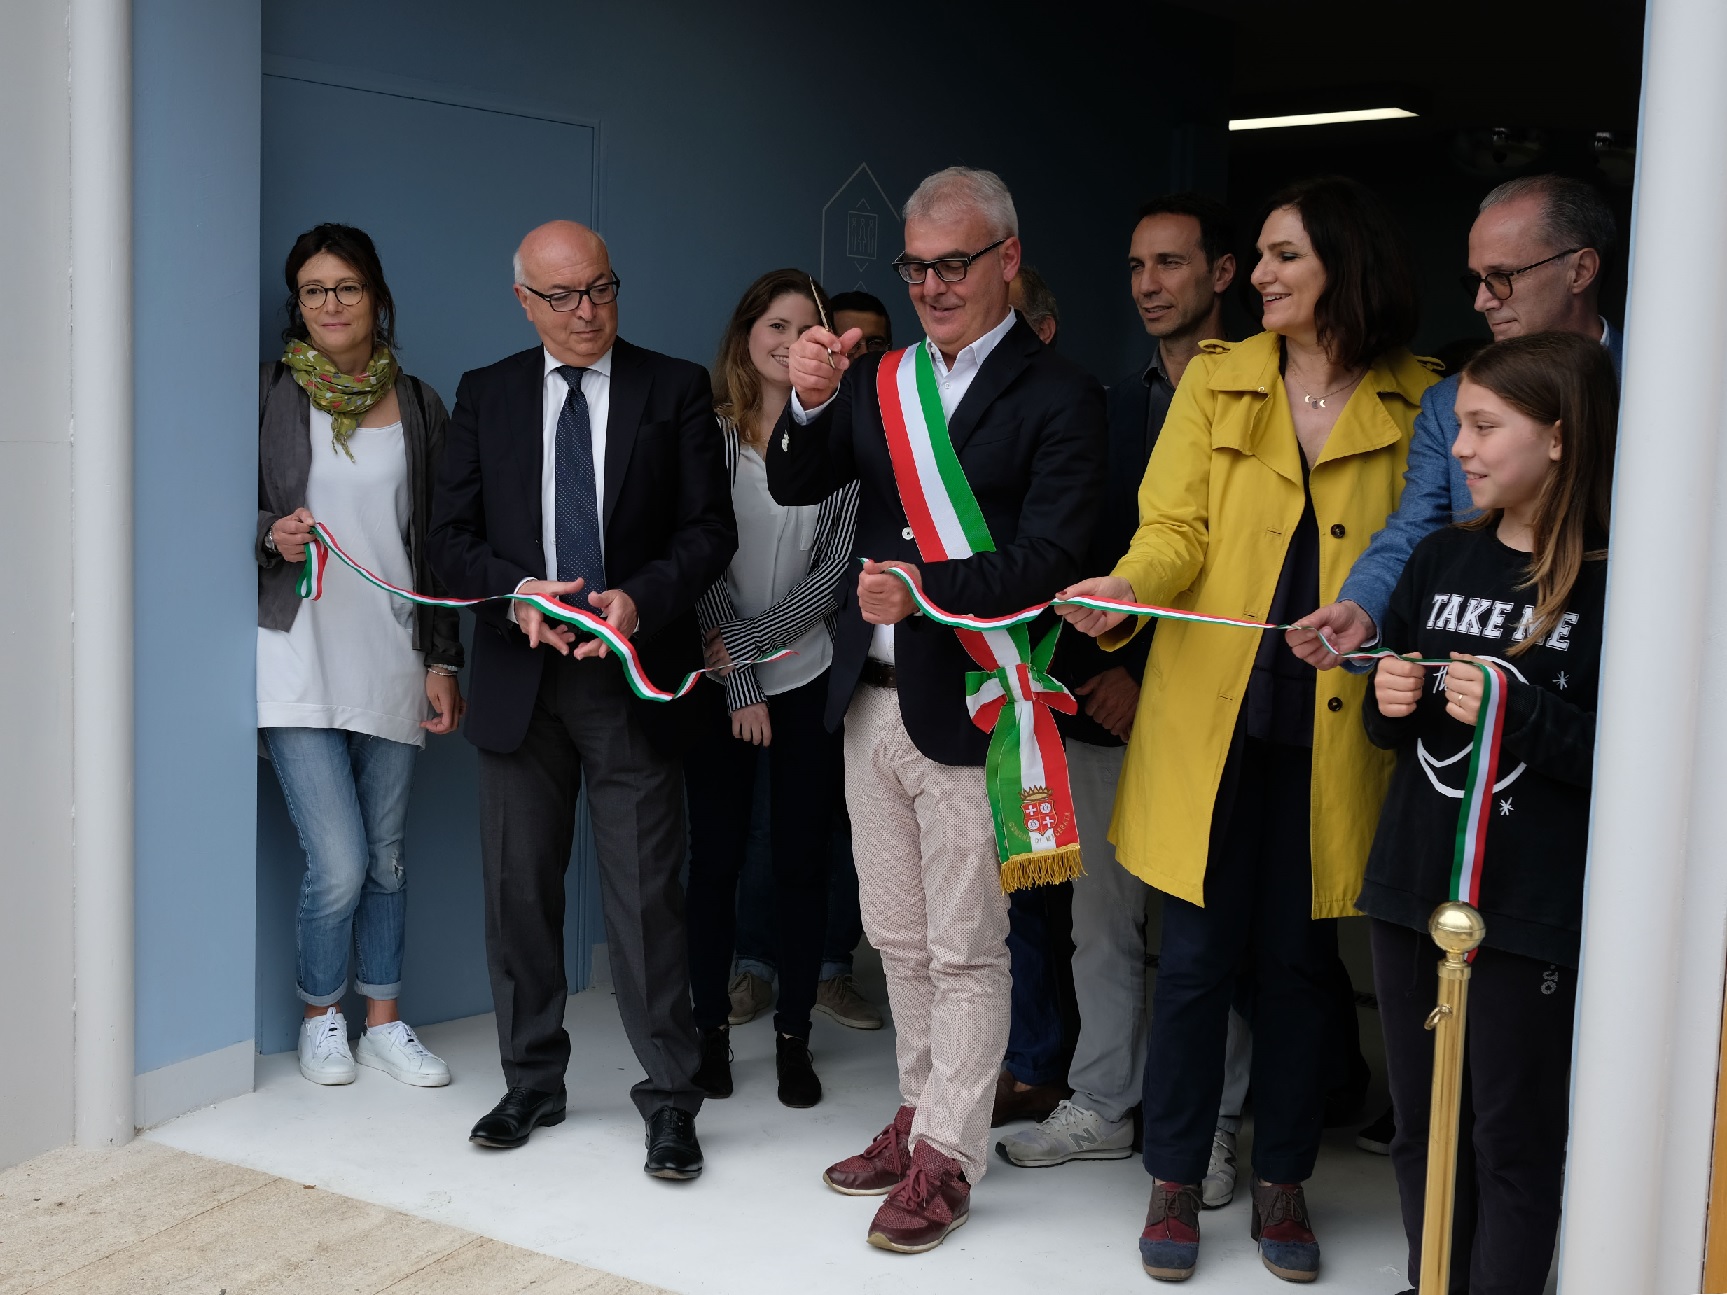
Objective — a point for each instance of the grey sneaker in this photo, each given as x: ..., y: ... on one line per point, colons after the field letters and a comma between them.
x: 839, y: 998
x: 751, y: 996
x: 1069, y: 1132
x: 1218, y: 1189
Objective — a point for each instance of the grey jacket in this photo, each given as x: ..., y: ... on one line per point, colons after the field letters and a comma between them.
x: 284, y: 463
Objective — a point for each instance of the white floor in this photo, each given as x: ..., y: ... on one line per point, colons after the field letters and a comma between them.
x: 758, y: 1221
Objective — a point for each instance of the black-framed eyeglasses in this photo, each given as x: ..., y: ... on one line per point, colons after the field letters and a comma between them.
x: 1499, y: 281
x: 312, y: 295
x: 565, y: 300
x: 949, y: 269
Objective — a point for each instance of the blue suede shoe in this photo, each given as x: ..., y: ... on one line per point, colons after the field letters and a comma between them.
x: 1280, y: 1225
x: 1169, y: 1246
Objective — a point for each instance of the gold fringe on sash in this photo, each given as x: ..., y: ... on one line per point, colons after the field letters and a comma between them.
x: 1045, y: 868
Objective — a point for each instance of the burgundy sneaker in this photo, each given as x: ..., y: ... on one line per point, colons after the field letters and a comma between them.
x: 1280, y: 1225
x: 933, y: 1200
x: 1169, y: 1246
x: 881, y: 1166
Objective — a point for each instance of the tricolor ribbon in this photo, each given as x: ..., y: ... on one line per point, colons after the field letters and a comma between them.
x: 1477, y: 809
x: 322, y: 544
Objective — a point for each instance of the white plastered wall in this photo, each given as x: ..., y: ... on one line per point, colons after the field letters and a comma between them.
x: 35, y: 581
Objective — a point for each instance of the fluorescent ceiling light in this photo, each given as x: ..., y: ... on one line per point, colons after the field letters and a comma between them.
x: 1319, y: 118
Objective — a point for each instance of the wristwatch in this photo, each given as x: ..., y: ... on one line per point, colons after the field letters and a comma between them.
x: 270, y: 542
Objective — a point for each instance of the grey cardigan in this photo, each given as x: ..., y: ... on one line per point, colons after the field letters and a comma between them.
x: 284, y: 463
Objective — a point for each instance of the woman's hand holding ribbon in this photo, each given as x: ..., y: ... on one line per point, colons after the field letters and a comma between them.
x: 1089, y: 620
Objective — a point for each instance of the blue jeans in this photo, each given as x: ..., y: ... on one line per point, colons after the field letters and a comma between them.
x: 348, y: 796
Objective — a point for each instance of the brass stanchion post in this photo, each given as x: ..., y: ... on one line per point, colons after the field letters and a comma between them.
x: 1456, y: 928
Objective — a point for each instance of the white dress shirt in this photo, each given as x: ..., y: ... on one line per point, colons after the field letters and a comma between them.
x: 554, y: 390
x: 951, y: 386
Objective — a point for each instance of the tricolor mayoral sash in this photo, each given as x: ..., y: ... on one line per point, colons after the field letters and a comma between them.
x: 1011, y: 696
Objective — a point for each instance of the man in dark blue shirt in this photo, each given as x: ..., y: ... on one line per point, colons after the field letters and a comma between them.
x: 1535, y: 258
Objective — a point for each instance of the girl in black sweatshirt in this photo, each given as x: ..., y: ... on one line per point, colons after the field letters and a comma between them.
x: 1522, y: 586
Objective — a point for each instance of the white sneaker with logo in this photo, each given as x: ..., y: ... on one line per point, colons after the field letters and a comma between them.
x: 1218, y: 1189
x: 1069, y: 1132
x: 395, y: 1049
x: 324, y: 1055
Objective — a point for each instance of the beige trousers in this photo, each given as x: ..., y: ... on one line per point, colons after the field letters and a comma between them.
x: 929, y: 886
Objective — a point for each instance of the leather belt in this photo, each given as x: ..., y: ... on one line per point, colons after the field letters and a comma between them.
x: 878, y: 673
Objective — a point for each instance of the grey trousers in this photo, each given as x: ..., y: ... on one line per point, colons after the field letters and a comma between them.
x: 1109, y: 911
x: 583, y: 730
x: 1108, y: 945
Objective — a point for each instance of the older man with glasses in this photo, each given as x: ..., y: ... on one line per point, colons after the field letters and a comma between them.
x: 1020, y: 435
x: 1535, y: 255
x: 588, y: 470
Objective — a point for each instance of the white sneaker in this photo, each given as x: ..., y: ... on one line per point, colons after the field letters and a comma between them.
x: 324, y: 1055
x: 1069, y: 1132
x: 1218, y: 1189
x: 395, y: 1049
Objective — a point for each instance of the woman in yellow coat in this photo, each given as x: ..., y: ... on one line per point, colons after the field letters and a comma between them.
x: 1250, y: 791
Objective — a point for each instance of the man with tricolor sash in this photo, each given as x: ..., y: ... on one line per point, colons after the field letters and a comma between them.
x: 980, y: 455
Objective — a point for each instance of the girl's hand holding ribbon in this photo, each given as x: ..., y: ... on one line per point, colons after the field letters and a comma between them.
x: 1464, y: 689
x: 1397, y: 685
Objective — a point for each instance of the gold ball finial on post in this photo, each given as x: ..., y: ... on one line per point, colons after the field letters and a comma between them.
x: 1456, y: 927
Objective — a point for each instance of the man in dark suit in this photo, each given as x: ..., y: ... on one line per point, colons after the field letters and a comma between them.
x: 589, y: 470
x: 1028, y: 430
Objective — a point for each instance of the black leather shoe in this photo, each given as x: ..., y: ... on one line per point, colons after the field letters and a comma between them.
x: 714, y: 1075
x: 521, y: 1112
x: 799, y: 1086
x: 673, y: 1151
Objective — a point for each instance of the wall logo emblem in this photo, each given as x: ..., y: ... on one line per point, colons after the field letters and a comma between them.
x: 861, y: 227
x: 859, y: 224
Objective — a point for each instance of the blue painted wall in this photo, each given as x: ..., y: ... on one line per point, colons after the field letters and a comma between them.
x: 726, y: 142
x: 195, y: 253
x: 723, y: 135
x: 725, y: 129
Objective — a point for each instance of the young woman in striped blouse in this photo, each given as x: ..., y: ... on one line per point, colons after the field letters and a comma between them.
x: 781, y: 591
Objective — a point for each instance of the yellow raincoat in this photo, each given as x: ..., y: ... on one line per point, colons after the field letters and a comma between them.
x: 1218, y: 506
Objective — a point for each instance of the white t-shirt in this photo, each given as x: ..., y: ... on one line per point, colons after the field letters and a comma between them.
x: 349, y: 660
x: 773, y: 555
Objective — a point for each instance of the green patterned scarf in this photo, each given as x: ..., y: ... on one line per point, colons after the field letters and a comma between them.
x: 341, y: 395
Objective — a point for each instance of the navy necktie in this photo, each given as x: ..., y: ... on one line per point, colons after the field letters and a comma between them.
x: 577, y: 517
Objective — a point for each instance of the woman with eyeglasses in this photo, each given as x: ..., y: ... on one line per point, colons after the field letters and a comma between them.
x: 1250, y: 790
x: 781, y: 591
x: 349, y: 685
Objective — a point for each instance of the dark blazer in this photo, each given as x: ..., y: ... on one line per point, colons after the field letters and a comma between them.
x: 285, y: 463
x: 1078, y: 658
x: 667, y: 519
x: 1031, y: 437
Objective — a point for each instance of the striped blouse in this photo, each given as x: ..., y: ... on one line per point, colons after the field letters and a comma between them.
x: 783, y: 587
